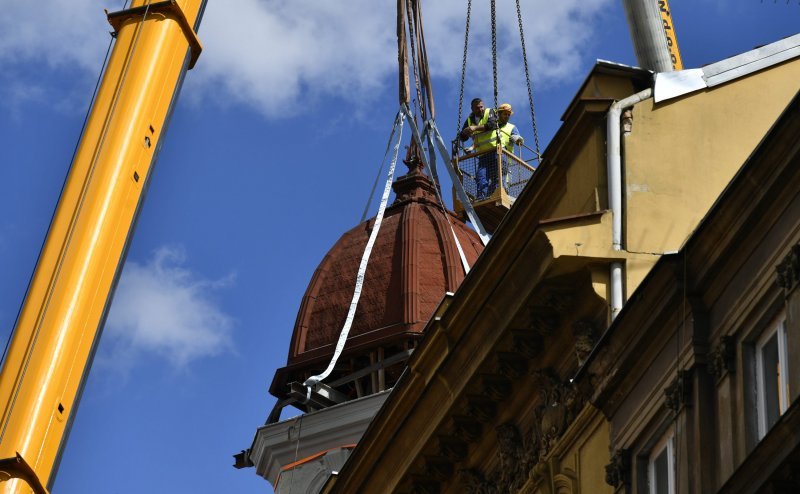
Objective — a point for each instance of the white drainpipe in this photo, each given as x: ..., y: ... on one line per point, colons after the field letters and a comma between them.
x: 614, y: 162
x: 616, y: 289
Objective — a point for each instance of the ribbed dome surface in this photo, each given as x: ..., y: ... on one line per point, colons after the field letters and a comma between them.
x: 414, y: 262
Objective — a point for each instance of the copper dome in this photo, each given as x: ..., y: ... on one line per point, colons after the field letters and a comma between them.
x: 414, y: 262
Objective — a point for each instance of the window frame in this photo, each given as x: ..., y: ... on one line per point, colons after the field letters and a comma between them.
x: 777, y: 327
x: 666, y: 443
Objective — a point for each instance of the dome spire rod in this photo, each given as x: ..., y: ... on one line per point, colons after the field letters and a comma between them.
x: 410, y: 10
x: 312, y: 381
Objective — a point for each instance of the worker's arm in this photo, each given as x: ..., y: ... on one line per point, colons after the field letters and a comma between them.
x: 470, y: 130
x: 466, y: 131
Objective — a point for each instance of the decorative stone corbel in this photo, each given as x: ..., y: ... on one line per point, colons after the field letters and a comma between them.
x: 678, y: 393
x: 618, y: 472
x: 723, y: 358
x: 788, y: 270
x: 585, y: 338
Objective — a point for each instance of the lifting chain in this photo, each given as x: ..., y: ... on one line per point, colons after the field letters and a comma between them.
x: 494, y: 50
x: 494, y: 68
x: 528, y: 80
x: 463, y: 69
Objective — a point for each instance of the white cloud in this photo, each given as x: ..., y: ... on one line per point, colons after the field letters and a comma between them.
x: 275, y: 56
x: 51, y: 54
x: 164, y: 309
x: 62, y: 33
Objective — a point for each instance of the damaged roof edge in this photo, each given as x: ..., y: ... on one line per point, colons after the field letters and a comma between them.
x: 670, y: 85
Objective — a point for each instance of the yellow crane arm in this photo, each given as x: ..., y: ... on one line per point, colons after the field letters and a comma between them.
x: 64, y: 309
x: 669, y: 33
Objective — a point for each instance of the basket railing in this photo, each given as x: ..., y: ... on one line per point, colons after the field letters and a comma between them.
x: 492, y: 174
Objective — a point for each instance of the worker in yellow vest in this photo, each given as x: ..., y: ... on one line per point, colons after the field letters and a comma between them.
x: 508, y: 133
x: 503, y: 133
x: 478, y: 122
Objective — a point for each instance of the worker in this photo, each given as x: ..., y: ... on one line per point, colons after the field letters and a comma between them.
x: 478, y: 122
x: 509, y: 135
x: 487, y: 141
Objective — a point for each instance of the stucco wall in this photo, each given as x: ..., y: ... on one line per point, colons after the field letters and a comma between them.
x: 683, y: 152
x: 585, y: 186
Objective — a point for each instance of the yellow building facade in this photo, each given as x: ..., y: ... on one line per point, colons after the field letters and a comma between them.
x: 588, y: 350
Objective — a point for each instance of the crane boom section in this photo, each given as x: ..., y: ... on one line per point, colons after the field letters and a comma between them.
x: 66, y: 303
x: 669, y: 32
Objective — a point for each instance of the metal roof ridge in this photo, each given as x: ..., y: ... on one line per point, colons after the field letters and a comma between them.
x: 601, y: 61
x: 670, y: 85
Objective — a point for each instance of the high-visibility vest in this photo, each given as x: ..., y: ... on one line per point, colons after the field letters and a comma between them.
x: 488, y: 139
x: 482, y: 121
x: 479, y: 139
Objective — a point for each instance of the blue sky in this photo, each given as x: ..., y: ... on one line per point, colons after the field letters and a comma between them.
x: 269, y: 158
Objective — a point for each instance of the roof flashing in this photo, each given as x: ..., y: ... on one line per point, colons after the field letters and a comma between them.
x: 670, y: 85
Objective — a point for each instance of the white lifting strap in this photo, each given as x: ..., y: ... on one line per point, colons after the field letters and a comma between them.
x: 462, y: 195
x: 426, y: 133
x: 362, y: 268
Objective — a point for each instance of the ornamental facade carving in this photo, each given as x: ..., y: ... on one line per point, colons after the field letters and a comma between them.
x: 678, y: 393
x: 723, y: 358
x: 585, y: 335
x: 559, y: 407
x: 788, y: 270
x: 618, y: 472
x: 519, y: 455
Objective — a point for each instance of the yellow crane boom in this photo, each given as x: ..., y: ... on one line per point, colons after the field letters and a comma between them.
x: 653, y: 34
x: 669, y: 33
x: 64, y: 309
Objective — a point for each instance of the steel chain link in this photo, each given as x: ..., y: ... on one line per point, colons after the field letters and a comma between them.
x: 463, y: 70
x: 528, y: 81
x: 494, y: 70
x: 494, y: 50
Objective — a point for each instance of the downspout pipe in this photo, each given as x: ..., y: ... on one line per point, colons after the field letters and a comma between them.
x: 614, y: 161
x: 616, y: 289
x: 614, y: 164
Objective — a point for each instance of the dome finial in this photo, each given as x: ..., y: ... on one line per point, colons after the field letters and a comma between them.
x: 413, y: 159
x: 414, y: 185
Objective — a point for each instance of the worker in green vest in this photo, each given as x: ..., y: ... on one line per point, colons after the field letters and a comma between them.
x: 479, y: 121
x: 508, y: 136
x: 507, y: 132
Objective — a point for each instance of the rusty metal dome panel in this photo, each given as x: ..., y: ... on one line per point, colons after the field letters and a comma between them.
x: 413, y: 263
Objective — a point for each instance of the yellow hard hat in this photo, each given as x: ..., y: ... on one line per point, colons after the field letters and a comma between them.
x: 505, y: 107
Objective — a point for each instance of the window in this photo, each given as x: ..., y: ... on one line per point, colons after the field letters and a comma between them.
x: 661, y: 467
x: 771, y: 376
